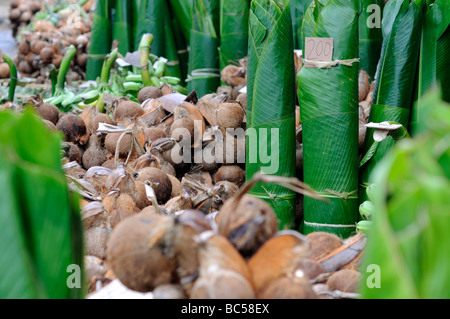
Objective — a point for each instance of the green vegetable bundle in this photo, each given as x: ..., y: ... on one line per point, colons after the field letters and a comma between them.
x: 204, y: 76
x: 233, y: 30
x: 122, y: 27
x: 298, y: 9
x: 370, y: 37
x: 394, y: 89
x: 407, y: 254
x: 271, y: 103
x: 434, y: 59
x: 328, y: 100
x: 101, y: 39
x: 41, y: 239
x: 155, y: 19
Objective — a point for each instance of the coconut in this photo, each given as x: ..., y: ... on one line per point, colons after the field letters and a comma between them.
x: 73, y: 152
x: 176, y: 186
x: 231, y: 75
x: 48, y: 112
x: 230, y: 173
x: 25, y: 67
x: 119, y: 206
x: 345, y: 280
x: 95, y: 154
x: 24, y: 47
x: 149, y: 92
x: 136, y: 252
x: 230, y: 115
x: 321, y: 244
x: 112, y: 139
x: 127, y: 109
x: 182, y: 128
x: 73, y: 128
x: 248, y: 224
x: 154, y: 133
x: 4, y: 71
x: 160, y: 181
x: 287, y: 288
x: 97, y: 119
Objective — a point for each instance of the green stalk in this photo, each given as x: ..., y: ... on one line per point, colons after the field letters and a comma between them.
x: 145, y: 47
x: 101, y: 40
x: 233, y: 31
x: 65, y: 64
x: 53, y: 78
x: 330, y: 121
x: 12, y: 76
x: 271, y: 104
x: 107, y: 65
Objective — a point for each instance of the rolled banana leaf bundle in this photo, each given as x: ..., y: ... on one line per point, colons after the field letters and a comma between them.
x: 394, y: 89
x: 271, y: 103
x: 370, y: 37
x: 101, y: 39
x: 155, y: 19
x: 183, y: 11
x: 233, y: 31
x: 122, y: 27
x: 298, y: 9
x: 434, y: 59
x: 328, y: 100
x: 204, y: 75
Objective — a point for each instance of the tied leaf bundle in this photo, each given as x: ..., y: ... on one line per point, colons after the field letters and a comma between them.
x: 155, y: 19
x: 329, y: 115
x: 370, y: 37
x: 408, y: 239
x: 233, y: 30
x: 298, y: 9
x: 122, y: 27
x: 434, y: 59
x: 271, y: 103
x: 204, y: 76
x: 394, y: 92
x: 183, y: 11
x: 101, y: 39
x: 40, y: 224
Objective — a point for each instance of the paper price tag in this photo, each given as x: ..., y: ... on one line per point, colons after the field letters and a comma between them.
x: 318, y: 50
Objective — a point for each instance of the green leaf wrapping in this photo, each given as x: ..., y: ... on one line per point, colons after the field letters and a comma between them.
x: 183, y: 12
x: 298, y: 9
x: 394, y: 89
x: 409, y: 239
x: 204, y: 75
x: 233, y: 30
x: 434, y: 60
x: 271, y: 103
x: 40, y: 225
x: 329, y: 115
x: 370, y: 37
x: 101, y: 39
x: 122, y: 26
x: 155, y: 19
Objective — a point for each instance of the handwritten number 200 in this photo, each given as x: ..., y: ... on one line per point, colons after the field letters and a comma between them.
x: 321, y: 48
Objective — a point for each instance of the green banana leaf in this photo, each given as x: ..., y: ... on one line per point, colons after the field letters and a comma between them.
x: 394, y: 89
x: 204, y: 75
x: 155, y: 19
x: 298, y: 9
x: 101, y: 40
x: 271, y: 103
x: 370, y: 36
x: 40, y: 224
x: 329, y: 114
x: 182, y: 49
x: 233, y: 31
x: 434, y: 60
x: 183, y: 10
x: 133, y: 17
x: 122, y: 26
x: 408, y: 240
